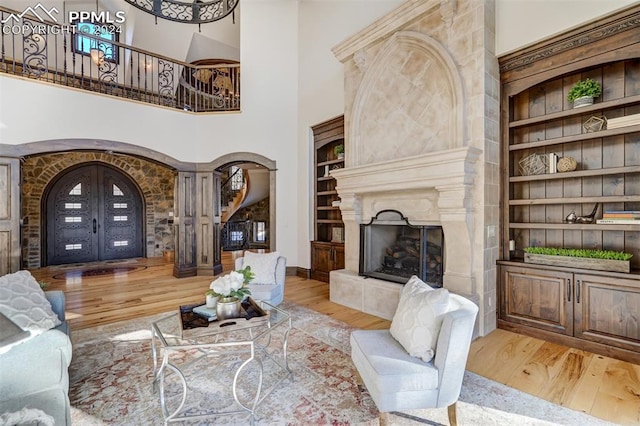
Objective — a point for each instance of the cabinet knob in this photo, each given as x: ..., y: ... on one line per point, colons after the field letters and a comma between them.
x: 568, y: 289
x: 577, y: 291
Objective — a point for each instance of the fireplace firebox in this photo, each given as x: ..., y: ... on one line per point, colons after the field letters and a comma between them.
x: 393, y: 249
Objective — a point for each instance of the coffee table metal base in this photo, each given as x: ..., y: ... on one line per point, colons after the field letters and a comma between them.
x: 164, y: 344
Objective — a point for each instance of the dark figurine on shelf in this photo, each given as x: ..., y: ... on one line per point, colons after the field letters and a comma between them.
x: 573, y: 218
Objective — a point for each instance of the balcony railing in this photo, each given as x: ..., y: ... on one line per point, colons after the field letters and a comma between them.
x: 51, y: 52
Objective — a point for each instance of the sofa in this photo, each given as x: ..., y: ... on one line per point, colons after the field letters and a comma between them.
x: 34, y: 373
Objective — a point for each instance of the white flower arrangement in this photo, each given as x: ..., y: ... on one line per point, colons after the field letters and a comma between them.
x: 232, y: 284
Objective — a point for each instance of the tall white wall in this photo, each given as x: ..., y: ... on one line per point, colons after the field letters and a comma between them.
x: 522, y: 22
x: 323, y: 24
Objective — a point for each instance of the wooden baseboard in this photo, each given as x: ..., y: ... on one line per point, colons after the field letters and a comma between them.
x: 303, y: 273
x: 597, y: 348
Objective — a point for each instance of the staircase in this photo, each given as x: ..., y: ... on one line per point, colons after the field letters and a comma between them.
x: 236, y: 194
x: 234, y: 197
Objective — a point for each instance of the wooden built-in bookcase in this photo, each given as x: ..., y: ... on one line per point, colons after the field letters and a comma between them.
x: 327, y: 248
x: 593, y: 310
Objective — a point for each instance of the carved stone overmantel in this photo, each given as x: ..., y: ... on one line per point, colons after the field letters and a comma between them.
x: 422, y: 137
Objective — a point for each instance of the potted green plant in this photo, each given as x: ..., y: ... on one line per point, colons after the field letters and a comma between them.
x: 601, y: 260
x: 229, y: 290
x: 583, y: 92
x: 338, y: 150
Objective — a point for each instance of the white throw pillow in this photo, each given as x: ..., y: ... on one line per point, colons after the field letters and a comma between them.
x: 23, y: 302
x: 263, y: 265
x: 418, y: 318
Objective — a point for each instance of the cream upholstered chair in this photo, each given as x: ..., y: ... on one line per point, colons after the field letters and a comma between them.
x: 398, y: 381
x: 270, y: 269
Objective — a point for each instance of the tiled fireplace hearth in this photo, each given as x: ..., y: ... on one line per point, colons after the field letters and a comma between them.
x: 421, y: 137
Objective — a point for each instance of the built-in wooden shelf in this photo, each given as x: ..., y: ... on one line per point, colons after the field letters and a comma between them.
x: 574, y: 200
x: 603, y: 134
x: 598, y: 107
x: 576, y: 226
x: 575, y: 174
x: 330, y: 162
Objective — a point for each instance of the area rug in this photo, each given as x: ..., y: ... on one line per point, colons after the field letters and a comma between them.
x: 111, y: 382
x: 95, y: 272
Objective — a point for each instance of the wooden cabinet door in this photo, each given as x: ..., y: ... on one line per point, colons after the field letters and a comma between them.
x: 537, y: 298
x: 607, y: 310
x: 321, y: 261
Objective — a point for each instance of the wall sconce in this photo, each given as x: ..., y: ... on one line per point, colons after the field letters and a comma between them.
x: 97, y: 56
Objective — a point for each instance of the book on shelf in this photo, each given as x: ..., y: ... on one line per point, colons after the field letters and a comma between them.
x: 618, y: 221
x: 627, y: 120
x: 621, y: 213
x: 553, y: 162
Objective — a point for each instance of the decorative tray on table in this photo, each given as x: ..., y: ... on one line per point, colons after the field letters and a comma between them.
x: 194, y: 324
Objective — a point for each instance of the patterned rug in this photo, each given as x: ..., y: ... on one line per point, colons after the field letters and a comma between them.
x: 111, y: 383
x: 95, y: 272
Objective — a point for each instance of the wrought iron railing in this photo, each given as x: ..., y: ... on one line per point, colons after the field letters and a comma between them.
x: 51, y: 52
x: 236, y: 235
x: 231, y: 186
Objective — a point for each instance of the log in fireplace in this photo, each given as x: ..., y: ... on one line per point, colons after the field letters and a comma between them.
x: 393, y: 249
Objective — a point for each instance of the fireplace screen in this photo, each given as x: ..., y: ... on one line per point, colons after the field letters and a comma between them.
x: 392, y: 249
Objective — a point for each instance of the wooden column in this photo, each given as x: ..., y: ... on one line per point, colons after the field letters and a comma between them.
x: 207, y: 223
x: 9, y: 215
x: 185, y: 263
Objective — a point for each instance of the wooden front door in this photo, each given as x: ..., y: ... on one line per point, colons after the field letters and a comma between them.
x: 93, y: 213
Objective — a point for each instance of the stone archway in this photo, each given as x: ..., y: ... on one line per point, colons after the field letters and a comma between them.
x: 156, y: 183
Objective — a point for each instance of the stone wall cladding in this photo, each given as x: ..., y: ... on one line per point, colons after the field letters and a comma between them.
x: 155, y: 181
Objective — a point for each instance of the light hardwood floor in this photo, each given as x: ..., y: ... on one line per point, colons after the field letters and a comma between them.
x: 602, y: 386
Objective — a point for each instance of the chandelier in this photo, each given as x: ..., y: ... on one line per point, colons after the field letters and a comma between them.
x: 194, y: 12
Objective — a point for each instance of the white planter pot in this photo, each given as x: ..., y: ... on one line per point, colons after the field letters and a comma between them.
x: 583, y: 101
x: 211, y: 301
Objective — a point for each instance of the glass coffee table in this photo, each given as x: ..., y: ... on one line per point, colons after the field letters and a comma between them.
x: 203, y: 363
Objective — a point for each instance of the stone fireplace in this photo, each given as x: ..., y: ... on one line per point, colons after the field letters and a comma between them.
x: 421, y: 137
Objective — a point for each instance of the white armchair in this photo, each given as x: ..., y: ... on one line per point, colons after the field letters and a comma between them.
x: 398, y: 381
x: 272, y: 292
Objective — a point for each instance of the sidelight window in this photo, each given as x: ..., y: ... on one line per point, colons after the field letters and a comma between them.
x: 259, y: 232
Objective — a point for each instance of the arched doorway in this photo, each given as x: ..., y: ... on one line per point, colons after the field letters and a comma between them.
x: 93, y: 212
x: 235, y: 158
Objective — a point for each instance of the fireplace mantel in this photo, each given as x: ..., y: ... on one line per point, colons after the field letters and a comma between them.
x: 454, y: 167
